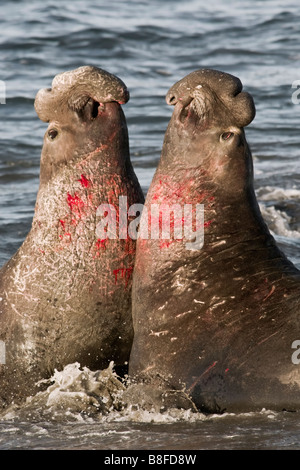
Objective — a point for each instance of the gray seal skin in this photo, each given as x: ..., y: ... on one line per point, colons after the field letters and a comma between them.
x: 216, y: 322
x: 65, y: 296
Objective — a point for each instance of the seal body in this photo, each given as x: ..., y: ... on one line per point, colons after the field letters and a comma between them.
x: 65, y: 296
x: 217, y: 319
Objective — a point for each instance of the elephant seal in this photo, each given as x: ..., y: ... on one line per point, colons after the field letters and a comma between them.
x: 217, y: 322
x: 65, y: 296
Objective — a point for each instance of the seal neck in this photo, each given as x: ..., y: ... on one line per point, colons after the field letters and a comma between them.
x: 232, y: 222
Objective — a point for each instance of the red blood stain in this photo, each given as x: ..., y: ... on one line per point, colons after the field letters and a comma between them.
x: 62, y: 223
x: 74, y: 202
x: 129, y: 247
x: 84, y: 181
x: 125, y: 274
x: 188, y: 190
x: 100, y: 243
x: 67, y: 235
x: 167, y: 243
x: 76, y: 205
x: 207, y: 224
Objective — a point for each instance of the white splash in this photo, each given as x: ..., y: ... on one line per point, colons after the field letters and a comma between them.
x: 278, y: 220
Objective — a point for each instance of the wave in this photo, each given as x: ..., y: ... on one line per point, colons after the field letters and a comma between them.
x: 281, y: 210
x: 78, y: 395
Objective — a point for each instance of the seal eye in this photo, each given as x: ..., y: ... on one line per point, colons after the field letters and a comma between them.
x: 52, y: 134
x: 227, y: 135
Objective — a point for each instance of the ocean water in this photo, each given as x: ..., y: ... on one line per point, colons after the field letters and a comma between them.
x: 150, y: 46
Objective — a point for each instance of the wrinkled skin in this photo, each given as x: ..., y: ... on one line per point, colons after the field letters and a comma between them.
x: 65, y: 295
x: 217, y: 322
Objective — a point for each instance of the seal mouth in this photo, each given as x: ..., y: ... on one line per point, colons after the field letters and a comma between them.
x: 195, y: 105
x: 187, y: 112
x: 190, y: 111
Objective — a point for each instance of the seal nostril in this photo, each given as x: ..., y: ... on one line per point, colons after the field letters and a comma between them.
x: 91, y: 110
x: 95, y: 108
x: 172, y: 99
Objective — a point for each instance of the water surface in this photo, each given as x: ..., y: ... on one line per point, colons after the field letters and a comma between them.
x: 151, y: 45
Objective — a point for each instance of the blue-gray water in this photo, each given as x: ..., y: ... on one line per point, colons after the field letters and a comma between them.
x: 151, y: 45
